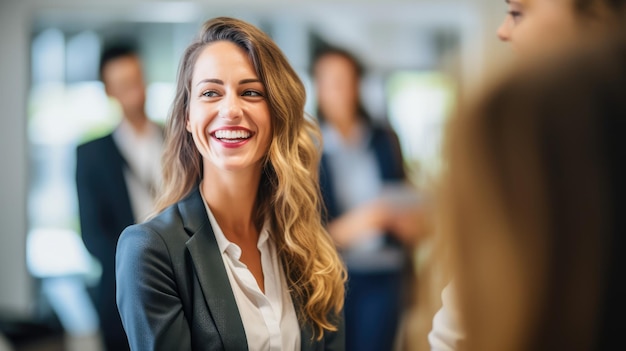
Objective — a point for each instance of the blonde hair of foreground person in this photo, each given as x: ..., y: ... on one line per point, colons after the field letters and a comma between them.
x: 533, y: 204
x: 288, y: 194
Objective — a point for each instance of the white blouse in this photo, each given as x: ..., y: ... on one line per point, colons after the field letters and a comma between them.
x: 446, y: 333
x: 269, y: 319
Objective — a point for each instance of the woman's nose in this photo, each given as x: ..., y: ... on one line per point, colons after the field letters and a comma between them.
x: 504, y: 31
x: 230, y: 107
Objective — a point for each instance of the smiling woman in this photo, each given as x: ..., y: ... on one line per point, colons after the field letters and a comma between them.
x: 229, y: 117
x: 236, y: 257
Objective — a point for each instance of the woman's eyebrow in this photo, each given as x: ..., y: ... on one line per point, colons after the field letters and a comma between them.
x: 221, y: 82
x: 211, y: 80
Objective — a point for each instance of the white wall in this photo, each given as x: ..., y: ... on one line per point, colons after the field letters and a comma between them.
x: 15, y: 285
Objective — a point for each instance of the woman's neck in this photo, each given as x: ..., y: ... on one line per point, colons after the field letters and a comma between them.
x: 232, y: 197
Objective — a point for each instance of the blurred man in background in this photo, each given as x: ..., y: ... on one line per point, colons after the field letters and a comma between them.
x: 117, y: 177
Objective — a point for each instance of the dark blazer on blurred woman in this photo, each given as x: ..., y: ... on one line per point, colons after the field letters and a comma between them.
x: 385, y: 146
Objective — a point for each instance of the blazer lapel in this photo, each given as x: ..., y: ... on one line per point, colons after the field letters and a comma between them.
x: 211, y: 273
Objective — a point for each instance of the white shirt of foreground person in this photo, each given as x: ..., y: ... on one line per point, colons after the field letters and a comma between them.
x: 269, y: 319
x: 446, y: 333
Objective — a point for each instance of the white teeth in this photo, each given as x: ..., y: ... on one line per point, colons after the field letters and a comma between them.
x: 232, y: 134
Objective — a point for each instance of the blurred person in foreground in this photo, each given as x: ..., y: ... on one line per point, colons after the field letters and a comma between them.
x: 372, y: 212
x: 534, y: 28
x: 237, y: 257
x: 117, y: 176
x: 538, y: 260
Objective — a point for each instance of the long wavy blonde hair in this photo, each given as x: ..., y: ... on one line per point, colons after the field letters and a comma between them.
x: 288, y: 194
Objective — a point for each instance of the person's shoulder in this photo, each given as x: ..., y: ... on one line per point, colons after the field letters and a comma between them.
x: 173, y: 226
x: 382, y: 128
x: 97, y: 153
x: 145, y: 248
x: 95, y: 144
x: 165, y: 225
x: 157, y: 237
x: 383, y: 132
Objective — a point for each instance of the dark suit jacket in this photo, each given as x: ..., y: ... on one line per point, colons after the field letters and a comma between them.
x: 173, y: 291
x: 105, y: 210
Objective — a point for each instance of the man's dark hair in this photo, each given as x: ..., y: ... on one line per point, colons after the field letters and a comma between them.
x: 115, y: 50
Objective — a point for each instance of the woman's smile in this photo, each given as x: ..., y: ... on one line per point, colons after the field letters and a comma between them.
x: 232, y: 137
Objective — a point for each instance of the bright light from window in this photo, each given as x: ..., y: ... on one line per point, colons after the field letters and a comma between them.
x: 56, y: 252
x: 419, y: 103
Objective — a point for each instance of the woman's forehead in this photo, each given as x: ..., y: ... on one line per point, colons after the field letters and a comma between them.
x: 537, y: 2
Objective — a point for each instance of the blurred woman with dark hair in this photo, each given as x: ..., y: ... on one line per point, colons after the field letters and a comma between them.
x: 371, y: 210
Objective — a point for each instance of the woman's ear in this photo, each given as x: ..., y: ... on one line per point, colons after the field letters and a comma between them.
x: 187, y: 126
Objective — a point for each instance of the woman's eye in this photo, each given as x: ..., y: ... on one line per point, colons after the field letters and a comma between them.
x: 516, y: 15
x: 252, y: 93
x: 209, y: 93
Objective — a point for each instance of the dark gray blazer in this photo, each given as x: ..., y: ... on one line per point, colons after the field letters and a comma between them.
x: 173, y: 292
